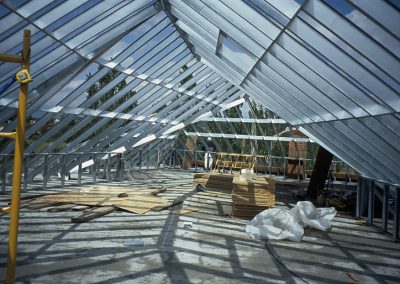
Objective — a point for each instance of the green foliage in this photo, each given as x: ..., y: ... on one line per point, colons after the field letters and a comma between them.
x: 102, y: 83
x: 100, y: 103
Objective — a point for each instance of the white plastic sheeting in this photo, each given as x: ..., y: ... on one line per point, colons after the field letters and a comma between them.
x: 280, y: 223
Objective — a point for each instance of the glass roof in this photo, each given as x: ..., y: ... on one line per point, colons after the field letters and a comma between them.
x: 124, y: 73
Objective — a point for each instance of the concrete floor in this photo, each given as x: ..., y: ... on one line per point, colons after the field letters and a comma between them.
x: 158, y: 248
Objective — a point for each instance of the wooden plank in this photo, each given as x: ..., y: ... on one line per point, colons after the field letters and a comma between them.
x: 5, y: 210
x: 141, y: 206
x: 93, y: 199
x: 61, y: 208
x: 186, y: 210
x: 250, y: 208
x: 40, y: 205
x: 254, y: 202
x: 132, y: 200
x: 160, y: 190
x: 95, y: 213
x: 223, y: 177
x: 79, y: 207
x: 176, y: 201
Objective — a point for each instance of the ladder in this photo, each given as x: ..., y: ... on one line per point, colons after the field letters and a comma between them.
x: 23, y: 77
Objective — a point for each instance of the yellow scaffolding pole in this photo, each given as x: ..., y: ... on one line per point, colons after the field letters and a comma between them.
x: 19, y: 137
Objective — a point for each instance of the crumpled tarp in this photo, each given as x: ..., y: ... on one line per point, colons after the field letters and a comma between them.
x: 280, y: 223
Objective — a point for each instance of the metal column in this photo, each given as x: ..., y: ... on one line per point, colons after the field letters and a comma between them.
x: 385, y: 207
x: 371, y: 199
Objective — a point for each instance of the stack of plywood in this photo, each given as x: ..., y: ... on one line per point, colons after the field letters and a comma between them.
x: 248, y: 197
x: 251, y: 197
x: 137, y: 201
x: 214, y: 181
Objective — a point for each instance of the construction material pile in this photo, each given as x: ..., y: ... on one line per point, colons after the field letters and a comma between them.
x: 97, y: 201
x: 249, y: 197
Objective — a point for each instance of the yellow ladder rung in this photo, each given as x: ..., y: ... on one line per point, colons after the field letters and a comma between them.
x: 5, y: 210
x: 9, y: 135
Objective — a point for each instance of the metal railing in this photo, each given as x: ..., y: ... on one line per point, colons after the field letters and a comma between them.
x: 76, y: 168
x: 379, y: 203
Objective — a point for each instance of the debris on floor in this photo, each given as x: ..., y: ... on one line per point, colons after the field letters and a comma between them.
x: 280, y: 223
x: 353, y: 277
x: 93, y: 213
x: 98, y: 200
x: 183, y: 211
x: 360, y: 222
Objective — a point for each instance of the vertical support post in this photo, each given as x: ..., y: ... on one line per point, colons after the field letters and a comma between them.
x: 62, y: 170
x: 270, y: 166
x: 364, y: 197
x: 108, y: 173
x: 256, y: 164
x: 396, y: 224
x: 80, y: 168
x: 26, y: 172
x: 175, y: 160
x: 158, y: 158
x: 140, y: 159
x: 18, y: 161
x: 371, y: 199
x: 94, y: 168
x: 207, y: 161
x: 385, y: 207
x: 45, y: 170
x: 298, y: 170
x: 121, y: 168
x: 148, y: 158
x: 359, y: 192
x: 4, y: 174
x: 118, y: 169
x: 195, y: 160
x: 284, y: 168
x: 103, y: 176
